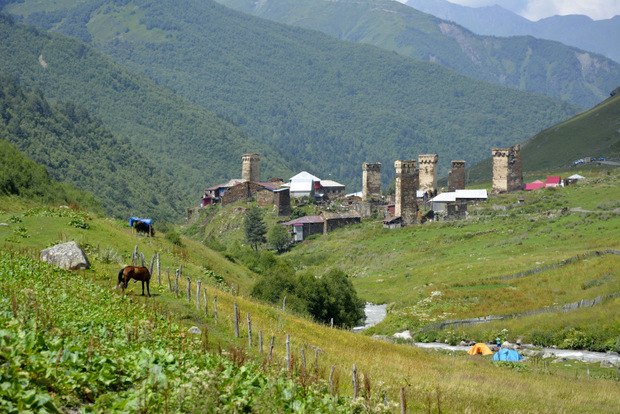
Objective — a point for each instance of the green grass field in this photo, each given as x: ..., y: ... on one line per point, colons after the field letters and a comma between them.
x: 462, y: 260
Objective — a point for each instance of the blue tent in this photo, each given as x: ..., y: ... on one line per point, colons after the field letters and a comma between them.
x: 506, y: 355
x: 133, y: 220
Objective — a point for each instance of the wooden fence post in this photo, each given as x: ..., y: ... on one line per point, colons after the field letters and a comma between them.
x: 354, y: 381
x: 331, y: 380
x: 204, y: 291
x: 158, y: 270
x: 152, y: 264
x: 215, y: 308
x: 249, y: 331
x: 189, y: 291
x: 142, y: 258
x: 232, y: 289
x: 236, y: 320
x: 288, y: 353
x: 169, y: 281
x: 198, y: 282
x: 134, y: 256
x: 176, y: 283
x: 403, y: 401
x: 316, y: 361
x: 271, y: 347
x: 284, y: 304
x: 331, y: 323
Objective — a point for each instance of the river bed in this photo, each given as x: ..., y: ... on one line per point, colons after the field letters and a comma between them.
x: 374, y: 315
x: 584, y: 356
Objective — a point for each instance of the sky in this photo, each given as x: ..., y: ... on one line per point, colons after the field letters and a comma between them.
x: 538, y: 9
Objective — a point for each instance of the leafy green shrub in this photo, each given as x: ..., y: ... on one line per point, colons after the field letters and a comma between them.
x: 278, y: 238
x: 174, y: 238
x: 79, y: 223
x: 21, y: 231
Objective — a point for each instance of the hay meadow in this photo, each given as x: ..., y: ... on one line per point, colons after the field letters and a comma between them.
x: 514, y: 254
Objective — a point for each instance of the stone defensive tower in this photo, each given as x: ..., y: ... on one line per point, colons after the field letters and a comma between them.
x: 407, y: 176
x: 251, y: 167
x: 456, y: 177
x: 428, y: 172
x: 371, y: 181
x: 507, y: 169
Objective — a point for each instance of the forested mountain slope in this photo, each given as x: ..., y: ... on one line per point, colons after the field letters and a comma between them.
x: 330, y: 103
x: 600, y: 36
x: 23, y: 178
x: 195, y: 148
x: 524, y: 63
x: 80, y: 150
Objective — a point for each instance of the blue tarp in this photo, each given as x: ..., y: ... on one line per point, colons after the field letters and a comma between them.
x: 133, y: 220
x: 507, y: 355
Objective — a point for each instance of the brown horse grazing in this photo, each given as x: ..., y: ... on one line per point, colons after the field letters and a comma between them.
x: 133, y: 272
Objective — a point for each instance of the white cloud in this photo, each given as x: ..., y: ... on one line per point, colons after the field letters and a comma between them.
x: 539, y: 9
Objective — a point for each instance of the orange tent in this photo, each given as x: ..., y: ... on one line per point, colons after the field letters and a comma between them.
x: 480, y: 348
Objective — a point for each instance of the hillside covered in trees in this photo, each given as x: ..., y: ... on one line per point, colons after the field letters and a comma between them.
x: 190, y: 146
x: 79, y: 150
x: 328, y: 104
x: 520, y: 62
x: 24, y: 179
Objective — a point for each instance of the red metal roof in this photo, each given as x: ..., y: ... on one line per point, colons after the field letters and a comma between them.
x: 533, y: 186
x: 554, y: 180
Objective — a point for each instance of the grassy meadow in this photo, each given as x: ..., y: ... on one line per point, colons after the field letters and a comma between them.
x: 470, y: 268
x: 463, y: 260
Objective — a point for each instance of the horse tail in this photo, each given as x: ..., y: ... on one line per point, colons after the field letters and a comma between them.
x: 120, y: 276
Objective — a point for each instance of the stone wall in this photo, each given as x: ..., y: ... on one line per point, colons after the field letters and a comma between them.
x: 456, y: 177
x: 333, y: 221
x: 282, y: 202
x: 507, y: 169
x: 407, y: 176
x: 371, y: 181
x: 251, y: 167
x: 265, y: 197
x: 279, y: 199
x: 456, y: 211
x: 241, y: 191
x: 428, y: 172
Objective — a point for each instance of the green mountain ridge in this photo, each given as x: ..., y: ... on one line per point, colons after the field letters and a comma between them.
x: 576, y: 30
x: 193, y: 147
x: 330, y: 103
x: 524, y: 63
x: 592, y: 133
x: 79, y: 150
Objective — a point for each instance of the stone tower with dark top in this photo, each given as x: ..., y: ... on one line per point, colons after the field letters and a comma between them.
x: 407, y: 176
x: 456, y: 177
x: 507, y: 169
x: 371, y: 181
